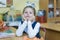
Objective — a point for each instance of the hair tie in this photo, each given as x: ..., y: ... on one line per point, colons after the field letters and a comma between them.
x: 30, y: 4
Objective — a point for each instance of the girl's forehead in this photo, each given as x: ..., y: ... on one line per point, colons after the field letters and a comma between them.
x: 29, y: 9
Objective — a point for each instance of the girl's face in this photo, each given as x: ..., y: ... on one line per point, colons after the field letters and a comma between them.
x: 28, y: 13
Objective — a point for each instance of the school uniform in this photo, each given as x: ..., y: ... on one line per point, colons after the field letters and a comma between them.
x: 31, y: 28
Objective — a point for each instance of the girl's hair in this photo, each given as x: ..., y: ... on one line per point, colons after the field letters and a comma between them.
x: 31, y: 8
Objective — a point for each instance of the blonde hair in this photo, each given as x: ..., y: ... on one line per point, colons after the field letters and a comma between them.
x: 31, y: 8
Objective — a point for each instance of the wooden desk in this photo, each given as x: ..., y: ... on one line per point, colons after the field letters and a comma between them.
x: 16, y: 38
x: 12, y: 38
x: 52, y: 31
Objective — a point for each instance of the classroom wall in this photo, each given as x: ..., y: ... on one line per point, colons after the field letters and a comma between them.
x: 20, y: 4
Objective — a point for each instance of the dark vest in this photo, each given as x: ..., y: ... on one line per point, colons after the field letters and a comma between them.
x: 33, y: 25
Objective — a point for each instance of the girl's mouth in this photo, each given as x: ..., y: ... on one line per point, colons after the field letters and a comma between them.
x: 27, y: 16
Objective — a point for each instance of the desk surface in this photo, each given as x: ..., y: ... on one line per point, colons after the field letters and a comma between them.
x: 12, y: 38
x: 52, y: 26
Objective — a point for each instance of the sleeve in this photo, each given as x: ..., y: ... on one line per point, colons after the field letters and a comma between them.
x: 32, y: 32
x: 21, y: 28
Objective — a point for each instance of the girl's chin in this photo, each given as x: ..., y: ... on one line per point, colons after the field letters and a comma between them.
x: 27, y: 18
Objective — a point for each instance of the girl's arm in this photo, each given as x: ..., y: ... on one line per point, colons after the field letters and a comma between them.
x: 32, y: 32
x: 21, y: 28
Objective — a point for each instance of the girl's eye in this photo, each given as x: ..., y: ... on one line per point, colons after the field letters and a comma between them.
x: 30, y: 12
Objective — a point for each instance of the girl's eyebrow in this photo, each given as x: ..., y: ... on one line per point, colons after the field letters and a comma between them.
x: 30, y: 12
x: 25, y: 12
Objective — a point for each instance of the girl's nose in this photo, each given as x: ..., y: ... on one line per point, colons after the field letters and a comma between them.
x: 27, y: 13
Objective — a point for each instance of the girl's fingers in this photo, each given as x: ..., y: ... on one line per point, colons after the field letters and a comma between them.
x: 23, y: 17
x: 32, y: 18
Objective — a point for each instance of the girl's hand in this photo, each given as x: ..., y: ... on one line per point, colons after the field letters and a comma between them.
x: 32, y: 18
x: 24, y: 18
